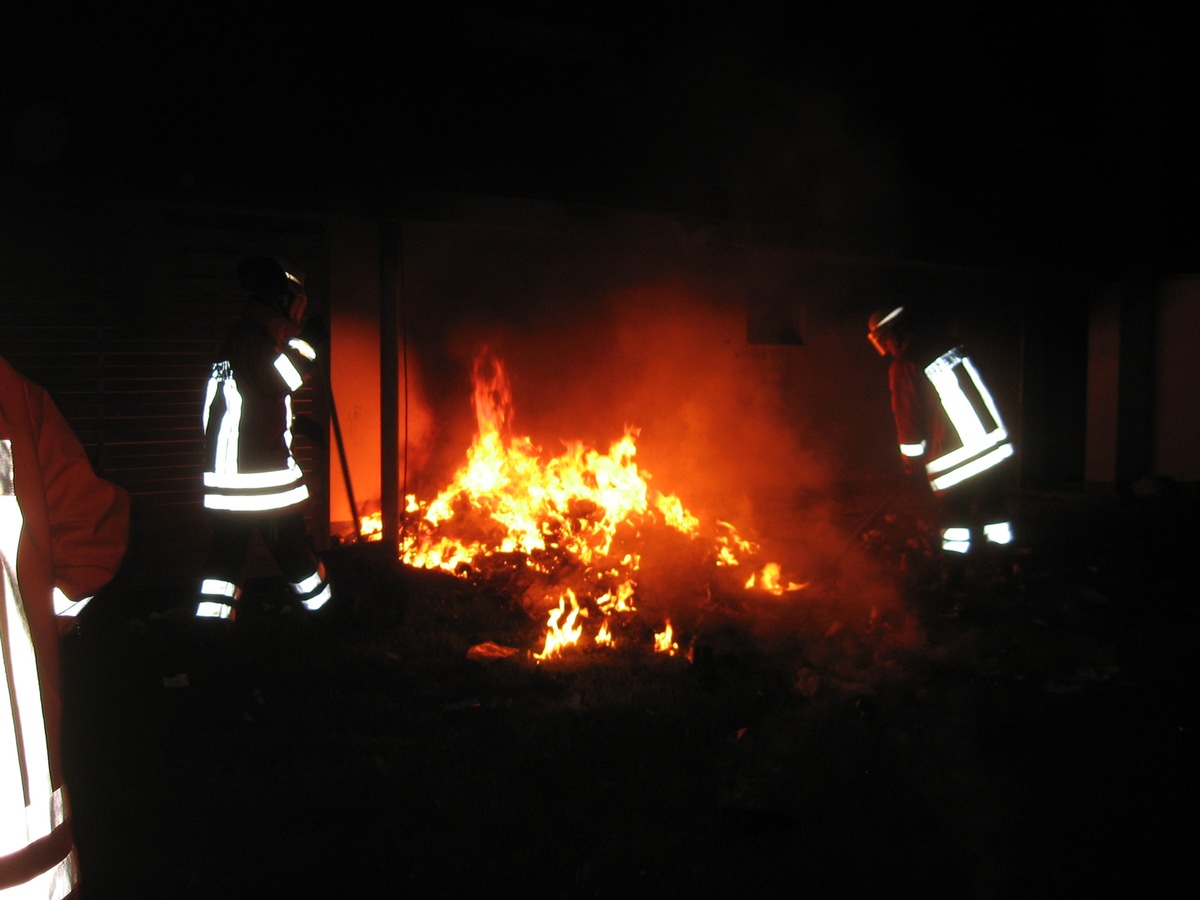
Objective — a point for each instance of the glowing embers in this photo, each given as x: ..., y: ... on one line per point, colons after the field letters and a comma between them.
x: 573, y: 529
x: 770, y: 579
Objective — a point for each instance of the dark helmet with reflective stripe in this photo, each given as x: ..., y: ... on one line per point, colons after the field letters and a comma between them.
x: 275, y: 284
x: 267, y: 276
x: 883, y: 321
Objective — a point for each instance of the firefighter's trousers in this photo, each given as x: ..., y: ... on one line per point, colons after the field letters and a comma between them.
x: 975, y: 515
x: 284, y: 535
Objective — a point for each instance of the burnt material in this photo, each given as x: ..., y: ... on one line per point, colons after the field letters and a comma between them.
x: 1028, y: 735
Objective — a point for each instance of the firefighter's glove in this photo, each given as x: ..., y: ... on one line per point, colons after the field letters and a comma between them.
x: 315, y: 331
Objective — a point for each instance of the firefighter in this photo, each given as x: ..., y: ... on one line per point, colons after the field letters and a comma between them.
x: 950, y: 433
x: 63, y: 534
x: 253, y: 487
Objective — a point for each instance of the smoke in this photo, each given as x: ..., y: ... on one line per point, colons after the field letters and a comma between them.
x: 672, y: 363
x: 727, y: 426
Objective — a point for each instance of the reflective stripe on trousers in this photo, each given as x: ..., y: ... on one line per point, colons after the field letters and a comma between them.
x: 957, y: 539
x: 218, y: 599
x: 314, y: 591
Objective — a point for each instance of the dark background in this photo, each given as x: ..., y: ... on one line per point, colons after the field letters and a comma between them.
x: 1050, y: 135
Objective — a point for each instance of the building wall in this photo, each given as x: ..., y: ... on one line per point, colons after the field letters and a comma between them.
x: 1103, y: 367
x: 1166, y: 371
x: 118, y: 311
x: 1177, y: 381
x: 354, y: 298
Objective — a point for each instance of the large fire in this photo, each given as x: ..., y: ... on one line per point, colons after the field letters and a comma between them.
x: 580, y: 523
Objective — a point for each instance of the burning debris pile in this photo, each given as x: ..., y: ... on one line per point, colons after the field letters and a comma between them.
x: 579, y: 536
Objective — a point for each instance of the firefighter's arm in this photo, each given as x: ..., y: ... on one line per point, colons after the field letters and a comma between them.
x: 913, y: 465
x: 909, y: 416
x: 89, y: 516
x: 300, y: 353
x: 278, y: 366
x: 295, y: 361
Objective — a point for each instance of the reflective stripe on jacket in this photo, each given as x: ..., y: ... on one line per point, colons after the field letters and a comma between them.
x: 945, y: 413
x: 247, y: 417
x: 981, y: 438
x: 63, y: 532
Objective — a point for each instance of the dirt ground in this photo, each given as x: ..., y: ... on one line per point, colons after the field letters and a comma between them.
x: 1031, y: 735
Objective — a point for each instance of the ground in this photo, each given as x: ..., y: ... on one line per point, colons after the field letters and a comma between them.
x: 1028, y: 735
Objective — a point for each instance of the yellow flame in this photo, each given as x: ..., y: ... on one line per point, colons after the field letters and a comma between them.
x: 664, y: 641
x: 770, y: 580
x: 561, y: 635
x: 571, y: 505
x: 620, y: 601
x: 731, y: 546
x: 575, y: 513
x: 371, y: 527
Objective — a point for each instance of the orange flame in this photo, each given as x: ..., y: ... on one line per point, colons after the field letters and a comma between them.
x: 603, y: 636
x: 769, y: 580
x: 664, y: 641
x: 565, y: 634
x: 371, y: 527
x: 575, y: 519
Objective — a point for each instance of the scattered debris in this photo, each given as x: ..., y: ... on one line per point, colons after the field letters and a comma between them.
x: 491, y: 650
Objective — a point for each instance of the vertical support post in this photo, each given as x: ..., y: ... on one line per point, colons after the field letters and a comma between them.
x: 1135, y: 387
x: 389, y: 375
x: 1136, y: 390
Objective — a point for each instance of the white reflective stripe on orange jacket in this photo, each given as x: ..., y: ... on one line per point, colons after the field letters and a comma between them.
x: 983, y: 439
x: 229, y: 488
x: 30, y: 806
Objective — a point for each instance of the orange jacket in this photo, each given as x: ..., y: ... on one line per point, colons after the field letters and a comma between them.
x: 63, y: 533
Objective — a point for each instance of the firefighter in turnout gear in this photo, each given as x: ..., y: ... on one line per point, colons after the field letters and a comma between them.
x: 253, y: 486
x: 949, y: 431
x: 63, y: 534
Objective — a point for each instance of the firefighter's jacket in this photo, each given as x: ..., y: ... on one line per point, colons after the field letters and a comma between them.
x: 247, y: 416
x: 63, y: 533
x: 946, y: 416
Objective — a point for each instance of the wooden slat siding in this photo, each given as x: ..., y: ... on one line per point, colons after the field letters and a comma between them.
x: 118, y: 314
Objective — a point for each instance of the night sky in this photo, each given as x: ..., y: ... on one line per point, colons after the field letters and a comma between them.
x: 989, y: 134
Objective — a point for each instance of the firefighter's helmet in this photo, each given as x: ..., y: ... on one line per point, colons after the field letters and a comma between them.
x: 267, y: 276
x: 883, y: 321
